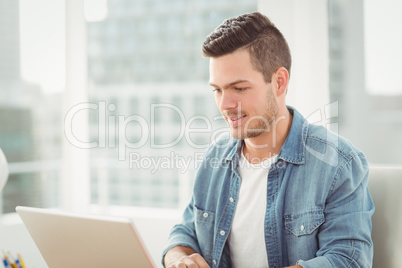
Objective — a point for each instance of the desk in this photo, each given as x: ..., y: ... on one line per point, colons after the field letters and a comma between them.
x: 14, y: 237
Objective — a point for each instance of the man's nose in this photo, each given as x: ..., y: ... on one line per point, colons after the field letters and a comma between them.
x: 227, y: 101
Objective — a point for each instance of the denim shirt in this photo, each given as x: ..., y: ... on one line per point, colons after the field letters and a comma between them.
x: 318, y: 211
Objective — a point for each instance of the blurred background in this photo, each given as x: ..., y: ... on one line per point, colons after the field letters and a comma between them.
x: 110, y: 108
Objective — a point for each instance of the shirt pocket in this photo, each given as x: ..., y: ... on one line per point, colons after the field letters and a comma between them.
x: 301, y: 233
x: 204, y: 228
x: 306, y: 223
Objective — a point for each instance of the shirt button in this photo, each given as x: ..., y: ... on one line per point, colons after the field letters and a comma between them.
x: 302, y: 227
x: 205, y: 215
x: 222, y: 233
x: 214, y: 262
x: 231, y: 200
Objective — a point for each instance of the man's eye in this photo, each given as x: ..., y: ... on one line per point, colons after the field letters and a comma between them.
x: 240, y: 88
x: 216, y: 90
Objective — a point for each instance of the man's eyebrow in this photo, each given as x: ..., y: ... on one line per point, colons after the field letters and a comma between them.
x: 230, y: 84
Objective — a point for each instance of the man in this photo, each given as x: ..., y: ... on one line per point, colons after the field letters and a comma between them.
x: 282, y: 192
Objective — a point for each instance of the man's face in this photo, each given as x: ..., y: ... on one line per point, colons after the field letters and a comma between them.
x: 243, y: 97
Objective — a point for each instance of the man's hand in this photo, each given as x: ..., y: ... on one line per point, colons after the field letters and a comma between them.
x: 194, y: 260
x: 182, y: 257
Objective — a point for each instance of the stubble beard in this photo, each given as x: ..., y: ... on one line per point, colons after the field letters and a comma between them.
x: 257, y: 124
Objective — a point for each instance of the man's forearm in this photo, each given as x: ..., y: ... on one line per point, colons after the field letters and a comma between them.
x: 176, y: 253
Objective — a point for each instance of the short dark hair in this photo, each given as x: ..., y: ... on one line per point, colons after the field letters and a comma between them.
x: 255, y: 32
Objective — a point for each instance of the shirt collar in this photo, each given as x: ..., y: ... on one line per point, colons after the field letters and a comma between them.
x: 293, y: 149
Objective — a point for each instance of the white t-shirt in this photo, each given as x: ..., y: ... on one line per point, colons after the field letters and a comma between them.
x: 247, y: 236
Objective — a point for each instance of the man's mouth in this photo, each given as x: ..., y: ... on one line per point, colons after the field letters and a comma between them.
x: 236, y: 118
x: 235, y: 121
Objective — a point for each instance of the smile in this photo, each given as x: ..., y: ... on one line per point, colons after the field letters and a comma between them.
x: 235, y: 119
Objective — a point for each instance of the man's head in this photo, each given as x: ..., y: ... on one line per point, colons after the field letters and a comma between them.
x: 249, y: 63
x: 256, y: 33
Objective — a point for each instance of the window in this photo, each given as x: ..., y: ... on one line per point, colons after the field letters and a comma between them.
x: 31, y: 82
x: 365, y: 68
x: 168, y: 82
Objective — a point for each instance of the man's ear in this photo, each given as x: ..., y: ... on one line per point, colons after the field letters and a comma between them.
x: 281, y: 80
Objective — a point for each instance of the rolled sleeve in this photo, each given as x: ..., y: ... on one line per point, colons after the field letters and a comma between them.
x: 179, y: 238
x: 319, y: 262
x: 183, y: 234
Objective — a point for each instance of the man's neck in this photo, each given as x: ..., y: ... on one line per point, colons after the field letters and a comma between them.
x: 268, y: 144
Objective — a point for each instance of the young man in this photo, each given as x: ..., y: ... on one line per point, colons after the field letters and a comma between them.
x: 282, y: 192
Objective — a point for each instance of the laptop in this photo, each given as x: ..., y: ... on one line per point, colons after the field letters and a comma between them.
x: 73, y: 240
